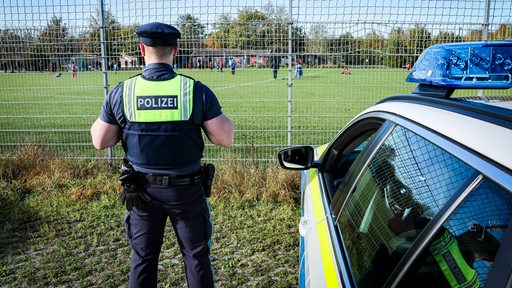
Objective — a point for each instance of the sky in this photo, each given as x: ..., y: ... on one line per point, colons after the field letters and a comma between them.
x: 354, y: 16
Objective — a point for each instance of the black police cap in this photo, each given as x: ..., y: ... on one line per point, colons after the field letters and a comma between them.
x: 158, y: 34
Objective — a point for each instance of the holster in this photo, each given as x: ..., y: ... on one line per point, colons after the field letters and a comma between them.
x: 207, y: 174
x: 126, y: 173
x: 134, y: 193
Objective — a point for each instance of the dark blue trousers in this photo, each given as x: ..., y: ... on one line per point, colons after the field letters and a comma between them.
x: 189, y: 213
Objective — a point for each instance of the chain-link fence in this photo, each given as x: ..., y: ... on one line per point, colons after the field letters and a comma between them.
x: 353, y: 53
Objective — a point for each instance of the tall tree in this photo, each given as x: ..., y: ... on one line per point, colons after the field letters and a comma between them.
x: 250, y: 30
x: 395, y: 50
x: 14, y: 49
x: 317, y: 43
x: 446, y: 37
x: 276, y: 29
x: 130, y: 40
x: 52, y: 42
x: 317, y: 39
x: 192, y: 32
x: 473, y: 35
x: 256, y: 30
x: 298, y: 39
x: 373, y: 48
x: 418, y: 39
x: 346, y: 47
x: 114, y: 41
x: 219, y: 38
x: 504, y: 32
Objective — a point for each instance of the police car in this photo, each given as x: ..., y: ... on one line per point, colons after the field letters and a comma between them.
x: 415, y: 191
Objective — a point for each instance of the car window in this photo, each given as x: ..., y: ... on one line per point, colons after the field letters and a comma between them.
x: 404, y: 185
x: 339, y: 172
x: 347, y: 154
x: 469, y: 240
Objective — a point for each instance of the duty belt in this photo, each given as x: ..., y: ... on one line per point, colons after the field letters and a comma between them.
x: 172, y: 180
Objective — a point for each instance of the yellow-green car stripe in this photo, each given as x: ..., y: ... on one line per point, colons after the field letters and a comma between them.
x: 329, y: 267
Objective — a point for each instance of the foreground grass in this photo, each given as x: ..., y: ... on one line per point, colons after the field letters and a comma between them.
x: 61, y: 225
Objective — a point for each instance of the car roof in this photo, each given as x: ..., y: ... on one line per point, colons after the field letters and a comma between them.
x: 489, y: 135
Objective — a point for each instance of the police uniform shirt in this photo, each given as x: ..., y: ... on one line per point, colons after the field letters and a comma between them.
x: 205, y: 105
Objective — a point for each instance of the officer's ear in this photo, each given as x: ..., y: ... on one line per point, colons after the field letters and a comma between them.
x: 174, y: 50
x: 142, y: 49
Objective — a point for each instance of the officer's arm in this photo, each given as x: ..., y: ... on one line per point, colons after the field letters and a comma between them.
x: 104, y: 135
x: 219, y: 130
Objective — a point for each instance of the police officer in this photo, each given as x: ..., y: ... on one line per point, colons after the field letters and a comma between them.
x: 159, y: 116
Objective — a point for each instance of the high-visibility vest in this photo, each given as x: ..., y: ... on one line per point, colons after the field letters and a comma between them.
x: 158, y: 101
x: 158, y: 134
x: 456, y: 270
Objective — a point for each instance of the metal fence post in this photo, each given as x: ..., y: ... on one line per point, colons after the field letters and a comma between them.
x: 104, y: 63
x: 290, y: 26
x: 485, y: 31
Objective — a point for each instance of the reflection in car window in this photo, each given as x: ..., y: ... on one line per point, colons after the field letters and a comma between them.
x: 342, y: 167
x: 405, y: 184
x: 476, y: 227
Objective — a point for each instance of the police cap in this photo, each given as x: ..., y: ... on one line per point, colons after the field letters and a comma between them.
x: 158, y: 34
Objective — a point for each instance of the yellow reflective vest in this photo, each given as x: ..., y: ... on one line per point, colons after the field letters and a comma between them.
x: 447, y: 254
x: 158, y: 134
x: 158, y: 101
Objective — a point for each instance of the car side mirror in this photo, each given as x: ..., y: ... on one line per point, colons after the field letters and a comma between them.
x: 296, y: 157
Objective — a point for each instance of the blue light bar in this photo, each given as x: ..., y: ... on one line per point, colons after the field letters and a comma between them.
x: 475, y: 65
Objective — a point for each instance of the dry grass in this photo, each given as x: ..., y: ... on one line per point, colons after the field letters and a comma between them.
x: 247, y: 181
x: 61, y: 225
x: 39, y: 170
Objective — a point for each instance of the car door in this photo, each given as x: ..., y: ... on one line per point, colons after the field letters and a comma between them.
x: 320, y: 261
x: 397, y: 200
x: 317, y: 264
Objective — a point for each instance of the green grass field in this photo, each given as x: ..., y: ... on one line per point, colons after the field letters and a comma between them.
x: 61, y: 225
x: 58, y: 112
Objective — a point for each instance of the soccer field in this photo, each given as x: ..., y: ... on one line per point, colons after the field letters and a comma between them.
x: 57, y: 112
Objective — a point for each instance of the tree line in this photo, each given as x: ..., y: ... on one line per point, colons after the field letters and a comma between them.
x: 251, y: 29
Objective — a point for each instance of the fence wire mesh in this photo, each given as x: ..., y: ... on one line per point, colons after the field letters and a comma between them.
x: 43, y: 103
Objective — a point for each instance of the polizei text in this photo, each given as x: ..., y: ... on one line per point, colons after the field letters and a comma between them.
x: 167, y: 102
